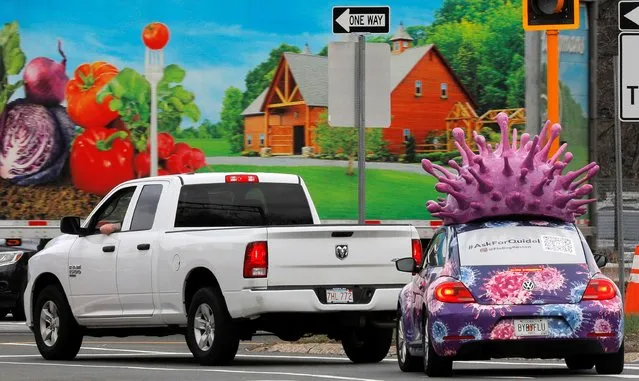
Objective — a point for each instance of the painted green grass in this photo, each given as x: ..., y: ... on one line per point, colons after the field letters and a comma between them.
x: 390, y: 195
x: 211, y: 147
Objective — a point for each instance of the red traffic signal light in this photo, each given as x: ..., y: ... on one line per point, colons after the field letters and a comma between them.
x: 550, y: 14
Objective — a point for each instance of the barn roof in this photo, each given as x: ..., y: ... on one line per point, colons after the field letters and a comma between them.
x: 311, y: 75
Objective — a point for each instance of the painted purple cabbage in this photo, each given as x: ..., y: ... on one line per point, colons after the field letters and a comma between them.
x: 33, y: 146
x: 512, y: 179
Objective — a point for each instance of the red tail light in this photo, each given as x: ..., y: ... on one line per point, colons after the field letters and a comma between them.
x: 242, y: 179
x: 453, y: 292
x: 417, y: 251
x: 599, y: 289
x: 13, y: 242
x: 256, y: 260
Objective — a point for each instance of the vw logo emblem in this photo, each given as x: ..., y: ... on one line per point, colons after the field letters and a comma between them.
x: 341, y: 251
x: 528, y: 285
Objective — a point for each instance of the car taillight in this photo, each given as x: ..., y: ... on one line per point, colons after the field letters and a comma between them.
x: 599, y: 289
x: 256, y: 260
x: 417, y: 251
x: 453, y: 292
x: 242, y: 179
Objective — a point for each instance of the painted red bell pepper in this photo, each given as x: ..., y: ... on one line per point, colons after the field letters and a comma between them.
x: 165, y: 145
x: 101, y: 158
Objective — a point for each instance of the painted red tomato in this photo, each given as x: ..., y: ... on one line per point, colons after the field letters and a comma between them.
x: 155, y: 35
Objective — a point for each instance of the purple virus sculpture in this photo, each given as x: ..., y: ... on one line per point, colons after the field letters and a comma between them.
x: 512, y: 179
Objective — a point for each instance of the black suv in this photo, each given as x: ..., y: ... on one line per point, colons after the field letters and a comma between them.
x: 14, y: 256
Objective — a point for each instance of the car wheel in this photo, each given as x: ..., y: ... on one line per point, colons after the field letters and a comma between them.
x: 434, y: 364
x: 579, y: 363
x: 611, y: 363
x: 57, y: 334
x: 3, y: 312
x: 368, y: 345
x: 406, y: 362
x: 211, y: 335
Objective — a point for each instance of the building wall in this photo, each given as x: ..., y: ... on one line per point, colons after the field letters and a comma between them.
x: 425, y: 113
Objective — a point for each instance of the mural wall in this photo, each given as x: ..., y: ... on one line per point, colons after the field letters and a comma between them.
x: 75, y: 101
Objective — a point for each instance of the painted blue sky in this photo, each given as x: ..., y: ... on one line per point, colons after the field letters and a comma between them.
x: 216, y: 42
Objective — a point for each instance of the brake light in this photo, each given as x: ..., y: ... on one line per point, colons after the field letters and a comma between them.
x: 242, y: 179
x: 256, y: 260
x: 417, y: 251
x: 599, y: 289
x: 13, y: 242
x: 453, y: 292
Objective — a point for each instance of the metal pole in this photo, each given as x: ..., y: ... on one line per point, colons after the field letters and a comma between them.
x: 360, y: 60
x: 619, y: 186
x: 153, y: 135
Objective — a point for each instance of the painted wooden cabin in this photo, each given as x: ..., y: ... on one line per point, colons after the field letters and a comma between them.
x: 284, y: 116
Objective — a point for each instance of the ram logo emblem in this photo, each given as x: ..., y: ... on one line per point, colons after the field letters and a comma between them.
x: 341, y: 251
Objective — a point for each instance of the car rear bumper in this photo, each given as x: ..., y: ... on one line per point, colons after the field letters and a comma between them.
x: 529, y: 348
x: 249, y: 303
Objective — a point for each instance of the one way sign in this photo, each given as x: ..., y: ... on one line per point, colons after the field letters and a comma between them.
x: 361, y: 19
x: 628, y: 16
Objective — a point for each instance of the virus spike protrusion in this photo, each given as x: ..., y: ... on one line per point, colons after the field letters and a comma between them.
x: 479, y: 161
x: 544, y: 132
x: 554, y: 134
x: 484, y: 185
x: 508, y: 171
x: 480, y: 188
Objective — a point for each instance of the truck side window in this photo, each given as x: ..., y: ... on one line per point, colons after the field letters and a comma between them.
x: 144, y: 213
x: 113, y: 210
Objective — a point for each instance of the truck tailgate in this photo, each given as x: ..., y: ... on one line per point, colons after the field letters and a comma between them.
x: 310, y: 255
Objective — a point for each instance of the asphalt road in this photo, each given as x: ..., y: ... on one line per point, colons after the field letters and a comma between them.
x: 141, y: 358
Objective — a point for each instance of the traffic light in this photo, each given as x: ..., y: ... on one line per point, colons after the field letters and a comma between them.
x: 550, y: 14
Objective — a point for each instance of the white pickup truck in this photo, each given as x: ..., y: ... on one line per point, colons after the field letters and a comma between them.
x: 217, y: 257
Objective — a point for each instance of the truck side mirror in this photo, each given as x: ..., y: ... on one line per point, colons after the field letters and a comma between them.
x: 407, y: 265
x: 70, y: 225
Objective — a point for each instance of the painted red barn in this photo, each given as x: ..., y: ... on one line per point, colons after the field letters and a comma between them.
x: 284, y: 116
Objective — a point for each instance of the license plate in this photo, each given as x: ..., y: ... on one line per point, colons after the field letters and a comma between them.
x: 531, y: 327
x: 339, y: 295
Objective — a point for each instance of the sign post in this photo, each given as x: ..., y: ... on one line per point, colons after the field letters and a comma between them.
x: 359, y: 80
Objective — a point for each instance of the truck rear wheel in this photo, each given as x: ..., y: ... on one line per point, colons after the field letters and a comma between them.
x: 211, y: 335
x: 367, y: 346
x: 57, y: 335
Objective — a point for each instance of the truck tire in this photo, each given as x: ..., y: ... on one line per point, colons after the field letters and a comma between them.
x: 57, y: 334
x: 213, y: 340
x: 367, y: 346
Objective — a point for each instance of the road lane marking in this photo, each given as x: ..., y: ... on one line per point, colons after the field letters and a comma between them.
x: 204, y: 370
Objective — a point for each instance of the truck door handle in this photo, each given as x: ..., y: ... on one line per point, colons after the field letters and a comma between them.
x: 108, y: 249
x: 144, y: 246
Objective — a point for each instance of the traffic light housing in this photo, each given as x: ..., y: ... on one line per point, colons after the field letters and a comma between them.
x: 550, y: 14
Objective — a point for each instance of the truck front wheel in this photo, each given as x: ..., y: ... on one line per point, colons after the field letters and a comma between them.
x: 211, y: 335
x: 368, y: 345
x: 57, y: 335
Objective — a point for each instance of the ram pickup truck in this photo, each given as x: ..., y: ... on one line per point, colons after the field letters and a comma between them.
x: 217, y: 257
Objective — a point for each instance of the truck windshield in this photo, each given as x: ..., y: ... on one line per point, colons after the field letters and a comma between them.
x: 242, y: 204
x: 519, y: 243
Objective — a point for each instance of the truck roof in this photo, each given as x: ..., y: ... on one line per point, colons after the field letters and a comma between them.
x: 221, y: 177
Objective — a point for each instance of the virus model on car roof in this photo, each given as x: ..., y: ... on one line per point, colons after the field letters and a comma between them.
x: 515, y: 178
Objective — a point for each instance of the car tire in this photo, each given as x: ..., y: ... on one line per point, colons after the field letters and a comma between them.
x: 215, y: 340
x: 611, y: 363
x: 406, y: 362
x: 367, y: 346
x: 579, y: 363
x: 434, y: 364
x: 57, y: 335
x: 3, y: 312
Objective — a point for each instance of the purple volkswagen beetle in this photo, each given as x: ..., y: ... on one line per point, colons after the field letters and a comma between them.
x: 504, y: 288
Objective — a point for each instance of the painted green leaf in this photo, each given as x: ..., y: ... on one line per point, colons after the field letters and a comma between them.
x: 14, y: 61
x: 173, y: 73
x: 115, y: 104
x: 182, y: 94
x: 192, y: 112
x: 7, y: 30
x: 176, y: 103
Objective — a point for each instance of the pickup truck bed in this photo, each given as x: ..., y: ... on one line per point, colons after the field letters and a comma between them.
x: 218, y: 257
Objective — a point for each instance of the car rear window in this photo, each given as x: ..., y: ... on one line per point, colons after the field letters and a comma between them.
x: 242, y: 204
x: 519, y: 243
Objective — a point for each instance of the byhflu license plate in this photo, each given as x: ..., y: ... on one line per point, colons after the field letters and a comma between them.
x: 339, y: 295
x: 531, y: 327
